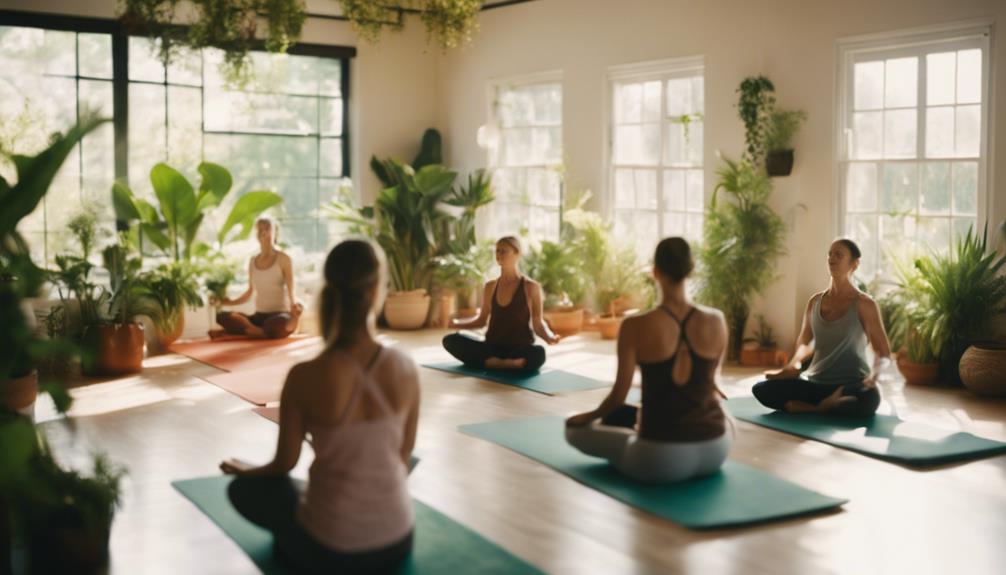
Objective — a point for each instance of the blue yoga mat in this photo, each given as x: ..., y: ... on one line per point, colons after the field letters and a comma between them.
x: 440, y: 544
x: 883, y: 436
x: 737, y: 495
x: 548, y: 382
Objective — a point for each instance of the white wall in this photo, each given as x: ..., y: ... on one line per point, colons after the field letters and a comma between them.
x: 393, y: 85
x: 792, y: 42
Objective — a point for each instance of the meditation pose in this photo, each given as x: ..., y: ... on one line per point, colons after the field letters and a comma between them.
x: 512, y: 305
x: 680, y: 429
x: 360, y: 403
x: 270, y: 278
x: 837, y: 324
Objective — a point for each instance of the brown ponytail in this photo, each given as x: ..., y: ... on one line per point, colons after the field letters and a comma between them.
x: 352, y: 271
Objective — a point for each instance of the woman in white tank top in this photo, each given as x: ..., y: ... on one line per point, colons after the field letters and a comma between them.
x: 270, y: 279
x: 360, y: 402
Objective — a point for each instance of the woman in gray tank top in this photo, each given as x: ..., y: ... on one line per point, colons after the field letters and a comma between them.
x: 837, y: 325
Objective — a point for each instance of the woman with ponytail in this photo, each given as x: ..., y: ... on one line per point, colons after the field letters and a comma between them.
x: 360, y: 403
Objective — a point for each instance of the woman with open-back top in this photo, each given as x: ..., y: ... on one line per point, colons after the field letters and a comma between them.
x: 512, y: 306
x: 679, y: 429
x: 360, y: 403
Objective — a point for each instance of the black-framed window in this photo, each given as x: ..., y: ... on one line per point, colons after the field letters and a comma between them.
x: 285, y: 130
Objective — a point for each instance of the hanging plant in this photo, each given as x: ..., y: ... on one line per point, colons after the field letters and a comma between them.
x: 686, y: 120
x: 449, y: 22
x: 755, y: 107
x: 229, y: 25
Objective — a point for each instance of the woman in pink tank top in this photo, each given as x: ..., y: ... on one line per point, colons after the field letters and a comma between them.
x: 360, y: 403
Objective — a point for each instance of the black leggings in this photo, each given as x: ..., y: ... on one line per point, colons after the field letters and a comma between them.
x: 774, y: 393
x: 474, y: 353
x: 271, y: 502
x: 274, y: 324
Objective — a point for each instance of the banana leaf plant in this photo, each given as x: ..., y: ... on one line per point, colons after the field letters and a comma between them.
x: 469, y: 200
x: 174, y: 227
x: 407, y: 220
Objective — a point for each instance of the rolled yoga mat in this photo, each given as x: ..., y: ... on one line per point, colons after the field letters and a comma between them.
x: 548, y: 381
x: 737, y: 495
x: 883, y: 436
x: 440, y: 544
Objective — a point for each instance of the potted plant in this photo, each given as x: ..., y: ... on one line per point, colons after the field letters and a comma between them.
x: 763, y: 349
x: 115, y: 343
x: 782, y: 126
x: 554, y: 266
x: 173, y: 285
x: 462, y: 274
x: 914, y: 337
x: 742, y: 237
x: 755, y: 107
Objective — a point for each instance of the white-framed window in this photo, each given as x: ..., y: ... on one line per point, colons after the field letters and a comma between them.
x: 526, y: 158
x: 912, y: 130
x: 655, y: 133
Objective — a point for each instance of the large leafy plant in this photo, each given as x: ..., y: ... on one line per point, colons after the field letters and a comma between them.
x: 609, y: 271
x: 742, y: 237
x: 555, y: 265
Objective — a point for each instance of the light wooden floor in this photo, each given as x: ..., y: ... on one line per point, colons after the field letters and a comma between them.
x: 168, y: 424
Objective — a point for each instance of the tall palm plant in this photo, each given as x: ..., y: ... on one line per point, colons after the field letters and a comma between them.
x: 742, y: 237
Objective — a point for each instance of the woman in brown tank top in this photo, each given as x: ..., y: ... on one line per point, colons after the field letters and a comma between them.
x: 512, y: 306
x: 679, y: 430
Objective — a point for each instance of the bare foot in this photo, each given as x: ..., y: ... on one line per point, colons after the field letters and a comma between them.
x: 217, y: 333
x: 499, y: 363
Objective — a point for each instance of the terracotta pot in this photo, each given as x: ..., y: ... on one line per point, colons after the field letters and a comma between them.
x: 609, y: 325
x: 764, y: 357
x: 590, y: 321
x: 114, y: 349
x: 407, y: 310
x: 918, y: 373
x: 565, y: 322
x: 19, y: 394
x: 983, y: 369
x: 165, y: 339
x: 447, y: 300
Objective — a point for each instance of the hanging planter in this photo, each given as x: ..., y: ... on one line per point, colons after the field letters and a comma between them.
x: 779, y: 163
x: 449, y: 23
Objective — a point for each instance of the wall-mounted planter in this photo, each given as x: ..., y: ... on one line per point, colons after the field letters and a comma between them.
x: 779, y: 163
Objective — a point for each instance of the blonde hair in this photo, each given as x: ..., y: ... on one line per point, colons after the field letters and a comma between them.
x: 511, y: 241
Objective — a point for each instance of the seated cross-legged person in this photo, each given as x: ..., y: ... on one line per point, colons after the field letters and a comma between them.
x: 679, y: 430
x: 837, y: 324
x: 512, y: 306
x: 270, y: 279
x: 360, y: 403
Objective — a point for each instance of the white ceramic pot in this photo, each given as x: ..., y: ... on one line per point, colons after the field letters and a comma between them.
x: 407, y: 310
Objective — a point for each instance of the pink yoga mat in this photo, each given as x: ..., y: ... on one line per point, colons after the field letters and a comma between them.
x: 246, y: 354
x: 271, y: 413
x: 261, y: 386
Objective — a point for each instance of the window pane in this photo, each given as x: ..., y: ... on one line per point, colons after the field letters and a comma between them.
x: 516, y: 144
x: 962, y: 225
x: 331, y: 117
x: 899, y: 133
x: 900, y: 191
x: 861, y: 187
x: 331, y: 158
x: 968, y: 131
x: 674, y: 190
x: 625, y: 189
x: 96, y: 97
x: 302, y: 233
x: 147, y: 143
x: 145, y: 60
x: 639, y: 144
x: 675, y: 150
x: 546, y: 146
x: 264, y: 156
x: 95, y: 53
x: 545, y: 222
x: 548, y: 105
x: 901, y: 83
x: 300, y: 195
x: 867, y: 129
x: 329, y: 77
x: 693, y: 233
x: 897, y: 234
x: 228, y: 111
x: 646, y: 189
x: 674, y: 224
x: 969, y: 76
x: 186, y: 67
x: 965, y: 176
x: 628, y: 103
x: 679, y: 97
x: 693, y: 181
x: 939, y: 132
x: 934, y: 234
x: 868, y: 85
x: 185, y: 128
x: 940, y: 77
x: 698, y: 94
x: 935, y: 188
x: 543, y: 186
x: 98, y: 165
x: 651, y: 102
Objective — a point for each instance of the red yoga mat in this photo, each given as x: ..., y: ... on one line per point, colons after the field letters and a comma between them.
x: 244, y: 354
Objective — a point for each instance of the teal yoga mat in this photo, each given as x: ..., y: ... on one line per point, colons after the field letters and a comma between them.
x: 883, y: 436
x: 441, y: 545
x: 548, y: 382
x: 737, y: 495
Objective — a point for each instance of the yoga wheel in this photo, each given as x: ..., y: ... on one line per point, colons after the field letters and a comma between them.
x: 983, y: 367
x: 407, y: 310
